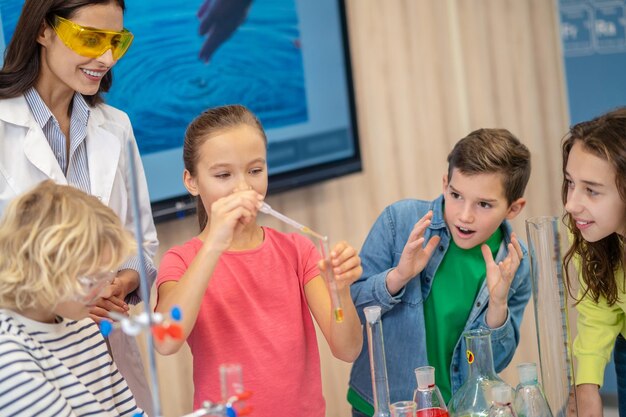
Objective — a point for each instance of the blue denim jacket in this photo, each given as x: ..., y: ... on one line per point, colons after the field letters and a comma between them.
x: 403, y: 315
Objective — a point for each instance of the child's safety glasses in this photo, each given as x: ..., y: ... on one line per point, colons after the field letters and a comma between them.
x: 93, y: 286
x: 90, y: 42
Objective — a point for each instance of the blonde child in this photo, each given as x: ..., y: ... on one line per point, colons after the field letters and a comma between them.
x: 55, y: 125
x: 60, y: 248
x: 594, y: 194
x: 248, y: 292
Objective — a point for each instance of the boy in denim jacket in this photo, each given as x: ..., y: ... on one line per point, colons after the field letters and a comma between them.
x: 430, y: 266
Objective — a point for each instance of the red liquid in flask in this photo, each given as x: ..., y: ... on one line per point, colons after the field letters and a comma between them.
x: 432, y: 412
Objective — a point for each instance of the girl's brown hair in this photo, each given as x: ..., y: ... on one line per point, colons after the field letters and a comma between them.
x: 206, y: 125
x: 604, y: 137
x: 22, y: 60
x: 493, y: 151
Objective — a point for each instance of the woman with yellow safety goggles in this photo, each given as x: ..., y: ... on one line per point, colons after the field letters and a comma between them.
x: 54, y: 125
x: 91, y: 42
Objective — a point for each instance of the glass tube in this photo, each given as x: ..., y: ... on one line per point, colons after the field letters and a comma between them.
x: 550, y: 301
x: 231, y: 380
x: 330, y: 279
x: 325, y: 251
x: 378, y: 366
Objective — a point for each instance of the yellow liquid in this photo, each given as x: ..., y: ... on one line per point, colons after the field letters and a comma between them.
x: 312, y: 233
x: 338, y: 315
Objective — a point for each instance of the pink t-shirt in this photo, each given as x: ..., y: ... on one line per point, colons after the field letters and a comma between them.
x: 255, y: 313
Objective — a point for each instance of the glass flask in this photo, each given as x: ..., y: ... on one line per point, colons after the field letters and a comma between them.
x: 427, y: 396
x: 502, y: 397
x: 231, y: 380
x: 530, y: 400
x: 550, y: 301
x: 378, y: 366
x: 231, y: 383
x: 473, y: 398
x: 403, y: 409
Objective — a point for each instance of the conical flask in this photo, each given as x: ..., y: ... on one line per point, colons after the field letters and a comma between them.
x: 530, y: 400
x: 474, y: 396
x: 550, y: 301
x: 378, y: 366
x: 502, y: 398
x: 427, y: 395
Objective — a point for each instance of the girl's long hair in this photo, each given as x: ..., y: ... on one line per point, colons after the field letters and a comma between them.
x: 22, y: 60
x: 604, y: 137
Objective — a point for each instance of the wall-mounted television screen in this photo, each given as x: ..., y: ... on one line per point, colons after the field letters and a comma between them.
x: 287, y: 60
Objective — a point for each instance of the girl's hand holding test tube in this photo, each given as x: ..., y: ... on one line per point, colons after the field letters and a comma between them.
x: 344, y: 269
x: 346, y: 265
x: 344, y: 262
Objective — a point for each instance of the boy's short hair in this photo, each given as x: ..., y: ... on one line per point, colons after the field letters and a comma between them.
x: 486, y: 151
x: 49, y: 237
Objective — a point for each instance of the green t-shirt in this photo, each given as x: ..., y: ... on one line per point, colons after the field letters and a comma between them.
x: 446, y: 311
x: 455, y: 287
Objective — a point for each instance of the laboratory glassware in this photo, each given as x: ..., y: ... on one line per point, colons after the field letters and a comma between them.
x: 473, y: 398
x: 502, y: 401
x: 530, y: 400
x: 550, y: 300
x: 427, y: 396
x: 378, y: 366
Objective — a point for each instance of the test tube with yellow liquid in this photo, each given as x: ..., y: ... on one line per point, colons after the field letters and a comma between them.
x: 325, y: 251
x: 330, y: 277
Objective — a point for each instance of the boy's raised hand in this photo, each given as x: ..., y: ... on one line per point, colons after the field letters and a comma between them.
x: 346, y: 264
x: 499, y: 278
x: 414, y: 257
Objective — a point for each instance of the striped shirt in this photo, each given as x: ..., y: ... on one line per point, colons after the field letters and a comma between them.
x: 75, y: 165
x: 58, y: 369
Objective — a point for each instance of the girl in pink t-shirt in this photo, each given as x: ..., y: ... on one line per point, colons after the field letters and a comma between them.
x: 248, y: 292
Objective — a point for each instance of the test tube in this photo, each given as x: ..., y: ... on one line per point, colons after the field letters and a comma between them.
x: 231, y: 380
x: 378, y: 364
x: 324, y: 249
x: 332, y: 284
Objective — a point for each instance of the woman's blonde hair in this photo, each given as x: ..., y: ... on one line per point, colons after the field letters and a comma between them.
x: 49, y: 237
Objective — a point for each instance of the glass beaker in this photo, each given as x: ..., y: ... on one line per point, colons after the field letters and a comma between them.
x: 427, y: 395
x: 530, y: 400
x: 473, y: 398
x: 550, y: 300
x: 403, y: 409
x: 502, y: 399
x: 378, y: 366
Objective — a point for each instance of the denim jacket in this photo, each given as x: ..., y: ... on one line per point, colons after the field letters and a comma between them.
x: 403, y: 315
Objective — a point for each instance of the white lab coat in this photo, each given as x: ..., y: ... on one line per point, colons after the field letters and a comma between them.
x: 27, y: 159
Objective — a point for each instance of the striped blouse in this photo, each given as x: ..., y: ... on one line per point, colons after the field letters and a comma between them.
x: 59, y: 369
x: 76, y: 164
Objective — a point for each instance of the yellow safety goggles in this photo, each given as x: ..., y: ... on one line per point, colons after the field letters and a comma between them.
x: 90, y: 42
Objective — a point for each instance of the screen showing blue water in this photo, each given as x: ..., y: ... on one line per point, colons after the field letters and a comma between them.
x: 284, y: 59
